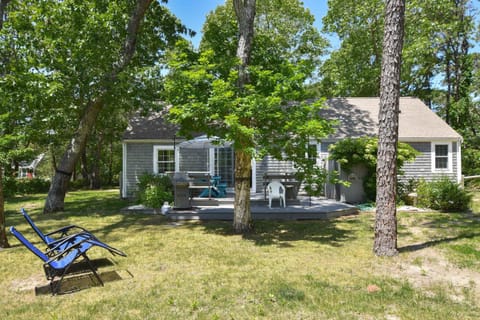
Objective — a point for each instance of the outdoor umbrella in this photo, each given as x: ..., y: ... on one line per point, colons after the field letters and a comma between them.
x: 204, y: 142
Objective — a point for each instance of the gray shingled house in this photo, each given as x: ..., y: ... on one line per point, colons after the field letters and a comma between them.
x: 150, y: 145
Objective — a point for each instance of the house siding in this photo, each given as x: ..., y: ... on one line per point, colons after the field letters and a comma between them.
x: 270, y: 164
x: 139, y: 161
x: 194, y: 159
x: 421, y: 167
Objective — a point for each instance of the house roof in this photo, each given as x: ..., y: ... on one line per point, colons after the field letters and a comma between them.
x: 359, y: 117
x: 153, y: 126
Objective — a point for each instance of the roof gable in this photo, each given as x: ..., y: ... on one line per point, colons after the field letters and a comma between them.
x: 359, y: 117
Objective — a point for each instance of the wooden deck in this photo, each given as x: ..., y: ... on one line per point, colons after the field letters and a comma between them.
x: 303, y: 208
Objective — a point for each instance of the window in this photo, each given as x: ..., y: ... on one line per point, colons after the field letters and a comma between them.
x: 441, y: 157
x: 224, y: 164
x: 163, y: 159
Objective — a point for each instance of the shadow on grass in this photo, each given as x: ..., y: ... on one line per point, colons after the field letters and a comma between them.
x: 91, y: 204
x: 283, y: 233
x: 432, y: 243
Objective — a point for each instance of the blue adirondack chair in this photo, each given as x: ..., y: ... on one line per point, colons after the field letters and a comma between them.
x: 56, y: 263
x: 56, y: 238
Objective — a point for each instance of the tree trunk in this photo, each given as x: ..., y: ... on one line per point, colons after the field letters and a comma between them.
x: 95, y: 181
x: 56, y: 196
x: 242, y: 219
x: 385, y: 243
x: 110, y: 166
x: 84, y: 166
x: 3, y: 233
x: 448, y: 78
x: 3, y: 8
x: 59, y: 186
x: 245, y: 11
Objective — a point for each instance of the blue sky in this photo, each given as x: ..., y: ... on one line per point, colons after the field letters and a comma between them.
x: 193, y: 12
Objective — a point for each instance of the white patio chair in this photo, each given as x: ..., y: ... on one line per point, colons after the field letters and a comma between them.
x: 24, y: 167
x: 276, y: 190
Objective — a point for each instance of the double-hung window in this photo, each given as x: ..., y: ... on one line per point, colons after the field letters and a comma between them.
x: 442, y: 157
x: 163, y: 159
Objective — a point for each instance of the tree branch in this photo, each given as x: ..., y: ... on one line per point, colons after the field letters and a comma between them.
x: 132, y: 34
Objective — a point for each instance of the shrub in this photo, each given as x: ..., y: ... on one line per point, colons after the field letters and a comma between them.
x: 9, y: 186
x: 13, y: 186
x: 30, y: 186
x: 404, y: 188
x: 443, y: 195
x: 154, y: 190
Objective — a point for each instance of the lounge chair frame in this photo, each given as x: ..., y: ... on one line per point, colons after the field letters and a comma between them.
x: 57, y: 263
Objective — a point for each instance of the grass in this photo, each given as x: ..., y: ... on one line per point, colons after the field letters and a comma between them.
x: 283, y: 270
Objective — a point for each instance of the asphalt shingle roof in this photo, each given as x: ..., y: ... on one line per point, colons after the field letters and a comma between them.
x: 357, y: 117
x: 153, y: 126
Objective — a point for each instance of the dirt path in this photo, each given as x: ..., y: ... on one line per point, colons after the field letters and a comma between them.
x: 428, y: 268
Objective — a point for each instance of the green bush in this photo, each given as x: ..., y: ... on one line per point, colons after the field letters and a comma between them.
x: 13, y: 186
x: 154, y: 190
x: 9, y: 186
x: 404, y: 188
x: 363, y: 151
x: 443, y: 195
x: 30, y: 186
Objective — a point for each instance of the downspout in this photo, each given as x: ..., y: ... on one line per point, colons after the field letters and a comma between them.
x: 123, y: 182
x: 459, y: 161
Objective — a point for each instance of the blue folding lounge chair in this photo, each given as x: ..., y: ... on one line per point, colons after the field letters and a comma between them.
x: 57, y: 263
x: 66, y: 232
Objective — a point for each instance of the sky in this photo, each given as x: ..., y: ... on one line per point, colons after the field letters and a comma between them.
x: 192, y: 13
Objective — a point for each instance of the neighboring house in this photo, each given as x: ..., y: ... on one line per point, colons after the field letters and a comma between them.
x: 150, y: 145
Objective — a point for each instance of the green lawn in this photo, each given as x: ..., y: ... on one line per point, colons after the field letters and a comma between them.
x: 284, y: 270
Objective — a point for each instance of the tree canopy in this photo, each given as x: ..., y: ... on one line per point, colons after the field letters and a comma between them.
x: 270, y: 115
x: 69, y: 62
x: 437, y: 34
x: 438, y: 65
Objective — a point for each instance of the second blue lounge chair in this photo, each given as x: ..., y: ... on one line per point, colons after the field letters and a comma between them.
x: 56, y: 239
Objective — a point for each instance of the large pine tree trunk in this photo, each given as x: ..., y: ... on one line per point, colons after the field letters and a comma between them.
x: 3, y: 233
x: 385, y: 243
x: 58, y: 189
x: 242, y: 220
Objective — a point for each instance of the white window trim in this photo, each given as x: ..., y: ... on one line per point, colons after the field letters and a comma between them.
x: 155, y: 157
x: 449, y: 168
